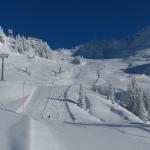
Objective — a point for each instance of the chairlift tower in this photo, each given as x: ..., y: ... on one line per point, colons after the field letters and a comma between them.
x: 10, y: 32
x: 3, y: 56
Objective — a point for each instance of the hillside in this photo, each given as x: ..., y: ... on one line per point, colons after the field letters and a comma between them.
x: 40, y: 106
x: 116, y: 48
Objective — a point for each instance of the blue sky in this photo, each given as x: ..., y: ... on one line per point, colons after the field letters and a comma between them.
x: 66, y: 23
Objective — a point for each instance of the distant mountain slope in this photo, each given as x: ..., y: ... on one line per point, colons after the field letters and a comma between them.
x: 116, y: 48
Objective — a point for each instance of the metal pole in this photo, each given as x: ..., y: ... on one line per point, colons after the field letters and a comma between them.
x: 2, y: 73
x: 3, y: 56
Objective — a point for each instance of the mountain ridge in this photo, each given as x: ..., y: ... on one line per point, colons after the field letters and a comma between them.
x: 115, y: 48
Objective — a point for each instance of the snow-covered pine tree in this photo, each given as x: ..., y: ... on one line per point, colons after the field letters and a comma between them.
x: 19, y: 44
x: 1, y: 29
x: 146, y: 99
x: 82, y: 103
x: 131, y: 95
x: 110, y: 92
x: 141, y: 111
x: 39, y: 48
x: 148, y: 115
x: 62, y: 54
x: 134, y: 100
x: 1, y: 35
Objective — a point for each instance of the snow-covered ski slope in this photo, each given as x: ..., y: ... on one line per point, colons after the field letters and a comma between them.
x: 39, y: 106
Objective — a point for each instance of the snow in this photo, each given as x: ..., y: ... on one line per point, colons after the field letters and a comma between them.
x: 108, y: 112
x: 101, y: 136
x: 39, y: 106
x: 22, y: 133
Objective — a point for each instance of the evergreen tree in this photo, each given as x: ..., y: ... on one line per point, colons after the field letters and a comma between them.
x: 148, y: 115
x: 147, y: 105
x: 134, y: 100
x: 39, y: 48
x: 110, y: 92
x: 131, y: 95
x: 1, y: 31
x: 141, y: 111
x: 81, y: 97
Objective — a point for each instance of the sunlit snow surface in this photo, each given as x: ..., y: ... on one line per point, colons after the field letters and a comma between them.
x: 39, y: 111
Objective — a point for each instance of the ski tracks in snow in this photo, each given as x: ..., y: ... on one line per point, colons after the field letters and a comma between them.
x: 56, y: 107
